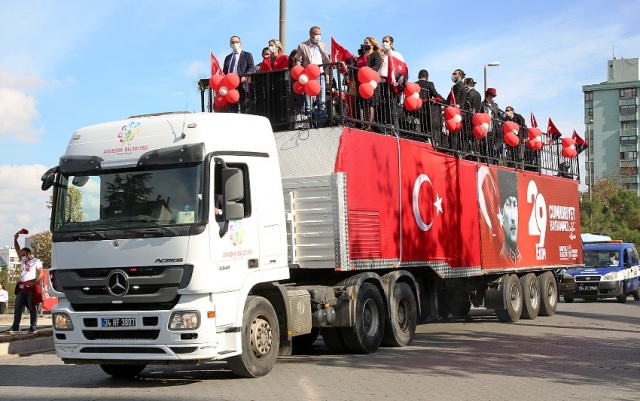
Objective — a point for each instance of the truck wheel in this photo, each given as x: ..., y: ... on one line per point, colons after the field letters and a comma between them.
x: 459, y: 304
x: 530, y: 296
x: 332, y: 338
x: 622, y: 298
x: 636, y: 292
x: 365, y: 337
x: 260, y: 339
x: 512, y: 292
x: 306, y: 340
x: 548, y: 294
x: 401, y: 327
x: 123, y: 371
x: 567, y: 299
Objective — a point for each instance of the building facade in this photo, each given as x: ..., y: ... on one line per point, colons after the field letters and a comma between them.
x: 611, y: 120
x: 9, y: 257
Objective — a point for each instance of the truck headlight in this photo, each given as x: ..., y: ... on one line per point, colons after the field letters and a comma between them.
x: 567, y: 277
x: 610, y: 276
x: 61, y: 321
x: 189, y: 320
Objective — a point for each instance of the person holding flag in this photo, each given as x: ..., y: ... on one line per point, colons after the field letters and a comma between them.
x: 393, y: 73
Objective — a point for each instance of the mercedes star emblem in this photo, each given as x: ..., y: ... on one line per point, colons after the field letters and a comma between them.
x: 118, y: 283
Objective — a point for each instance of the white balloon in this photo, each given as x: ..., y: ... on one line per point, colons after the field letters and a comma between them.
x: 485, y: 126
x: 415, y: 94
x: 373, y: 83
x: 223, y: 91
x: 303, y: 79
x: 457, y: 118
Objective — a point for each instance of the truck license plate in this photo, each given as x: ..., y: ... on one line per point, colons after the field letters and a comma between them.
x: 118, y: 322
x: 588, y: 288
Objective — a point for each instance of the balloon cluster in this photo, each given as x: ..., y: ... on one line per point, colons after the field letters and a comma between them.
x: 454, y: 118
x: 306, y: 79
x: 369, y: 80
x: 535, y: 138
x: 510, y: 131
x: 412, y: 99
x: 569, y: 148
x: 480, y: 123
x: 225, y: 88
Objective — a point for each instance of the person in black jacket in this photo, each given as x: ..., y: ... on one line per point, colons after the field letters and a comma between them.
x: 495, y: 128
x: 473, y: 101
x: 428, y: 94
x: 472, y: 104
x: 458, y: 93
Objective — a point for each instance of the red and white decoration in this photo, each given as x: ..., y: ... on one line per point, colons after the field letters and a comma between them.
x: 454, y: 118
x: 510, y: 131
x: 369, y: 80
x: 412, y: 99
x: 225, y: 88
x: 306, y: 79
x: 569, y: 148
x: 534, y: 136
x: 480, y: 123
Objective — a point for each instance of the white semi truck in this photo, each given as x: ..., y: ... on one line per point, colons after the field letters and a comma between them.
x: 205, y: 236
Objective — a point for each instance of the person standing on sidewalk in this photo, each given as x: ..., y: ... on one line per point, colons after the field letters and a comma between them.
x: 4, y: 300
x: 31, y: 272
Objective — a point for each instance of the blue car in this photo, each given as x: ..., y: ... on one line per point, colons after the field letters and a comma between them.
x: 611, y: 270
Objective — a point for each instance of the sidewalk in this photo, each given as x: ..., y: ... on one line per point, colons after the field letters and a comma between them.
x: 23, y: 342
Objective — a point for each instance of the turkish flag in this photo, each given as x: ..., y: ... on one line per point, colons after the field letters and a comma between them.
x: 339, y: 53
x: 553, y: 131
x: 534, y: 122
x: 580, y: 144
x: 398, y: 72
x: 215, y: 66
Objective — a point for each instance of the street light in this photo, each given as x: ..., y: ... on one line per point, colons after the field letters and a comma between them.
x: 589, y: 164
x: 493, y: 64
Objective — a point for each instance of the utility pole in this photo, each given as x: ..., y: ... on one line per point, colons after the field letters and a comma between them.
x: 283, y: 23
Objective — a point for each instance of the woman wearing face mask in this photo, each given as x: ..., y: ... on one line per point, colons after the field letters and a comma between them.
x: 374, y: 61
x: 277, y: 60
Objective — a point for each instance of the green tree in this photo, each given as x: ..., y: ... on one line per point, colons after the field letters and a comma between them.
x: 41, y: 247
x: 73, y: 208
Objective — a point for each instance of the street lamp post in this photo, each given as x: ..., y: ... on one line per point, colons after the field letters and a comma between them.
x: 589, y: 164
x: 492, y: 64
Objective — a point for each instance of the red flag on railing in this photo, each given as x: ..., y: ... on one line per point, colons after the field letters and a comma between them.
x: 534, y: 122
x: 552, y: 131
x: 215, y: 66
x: 339, y: 53
x: 580, y: 144
x: 398, y: 72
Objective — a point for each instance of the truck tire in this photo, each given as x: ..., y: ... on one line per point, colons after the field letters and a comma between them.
x: 530, y: 296
x: 403, y: 310
x: 512, y: 293
x: 123, y: 371
x: 459, y: 304
x: 548, y: 294
x: 622, y: 298
x: 365, y: 337
x: 260, y: 339
x: 306, y: 340
x: 332, y: 338
x: 636, y: 292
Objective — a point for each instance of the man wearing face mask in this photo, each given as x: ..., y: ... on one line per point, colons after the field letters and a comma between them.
x: 458, y: 94
x: 313, y: 51
x: 388, y: 101
x: 241, y: 63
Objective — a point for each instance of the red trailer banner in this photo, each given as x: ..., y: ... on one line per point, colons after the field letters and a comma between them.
x: 48, y: 302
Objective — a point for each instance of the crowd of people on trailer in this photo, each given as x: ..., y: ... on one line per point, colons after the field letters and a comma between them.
x: 371, y: 54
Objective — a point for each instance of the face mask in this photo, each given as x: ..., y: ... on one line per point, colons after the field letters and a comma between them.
x: 272, y: 49
x: 316, y: 38
x: 236, y: 47
x: 454, y: 78
x: 367, y: 47
x: 386, y: 45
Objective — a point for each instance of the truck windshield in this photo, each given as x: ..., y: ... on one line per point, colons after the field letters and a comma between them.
x: 601, y: 258
x: 129, y: 198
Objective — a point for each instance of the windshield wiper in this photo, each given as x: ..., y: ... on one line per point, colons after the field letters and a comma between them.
x: 92, y: 234
x: 157, y: 231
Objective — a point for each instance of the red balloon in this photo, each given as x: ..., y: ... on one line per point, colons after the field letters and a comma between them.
x: 451, y: 125
x: 479, y: 132
x: 298, y: 88
x: 312, y: 71
x: 511, y: 139
x: 569, y: 152
x: 458, y: 126
x: 539, y: 145
x: 233, y: 96
x: 533, y: 132
x: 566, y: 142
x: 366, y: 90
x: 477, y: 119
x: 366, y: 75
x: 451, y: 112
x: 231, y: 81
x: 532, y: 144
x: 510, y: 126
x: 412, y: 103
x: 487, y: 118
x: 312, y: 88
x: 296, y: 71
x: 214, y: 82
x: 411, y: 88
x: 220, y: 101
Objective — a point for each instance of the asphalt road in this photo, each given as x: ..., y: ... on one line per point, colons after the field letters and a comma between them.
x: 587, y: 351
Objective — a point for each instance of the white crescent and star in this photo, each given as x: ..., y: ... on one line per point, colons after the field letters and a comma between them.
x: 422, y: 178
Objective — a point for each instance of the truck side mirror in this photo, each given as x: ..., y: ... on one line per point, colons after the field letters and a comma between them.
x: 232, y: 194
x: 48, y: 178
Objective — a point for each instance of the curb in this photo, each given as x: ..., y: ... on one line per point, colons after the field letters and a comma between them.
x: 31, y: 346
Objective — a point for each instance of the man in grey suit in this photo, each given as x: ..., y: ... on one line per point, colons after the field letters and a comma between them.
x: 313, y: 51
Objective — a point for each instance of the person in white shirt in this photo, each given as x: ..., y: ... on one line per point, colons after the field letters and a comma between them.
x: 31, y: 272
x: 4, y: 300
x: 388, y: 101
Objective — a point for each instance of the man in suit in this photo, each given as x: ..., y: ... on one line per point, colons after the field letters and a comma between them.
x: 313, y: 51
x: 473, y: 102
x: 428, y: 111
x: 241, y: 63
x: 458, y: 93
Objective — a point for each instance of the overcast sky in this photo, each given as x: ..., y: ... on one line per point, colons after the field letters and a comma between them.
x: 67, y: 64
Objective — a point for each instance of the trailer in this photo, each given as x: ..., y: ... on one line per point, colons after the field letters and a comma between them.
x: 207, y: 236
